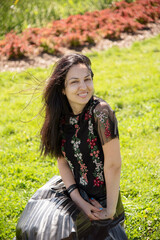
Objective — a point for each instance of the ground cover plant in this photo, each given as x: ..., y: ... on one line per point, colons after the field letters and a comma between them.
x: 128, y: 79
x: 81, y: 30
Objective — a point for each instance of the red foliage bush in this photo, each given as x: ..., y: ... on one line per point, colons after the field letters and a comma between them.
x: 81, y: 30
x: 15, y: 46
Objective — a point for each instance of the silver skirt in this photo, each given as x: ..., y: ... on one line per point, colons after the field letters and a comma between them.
x: 50, y: 214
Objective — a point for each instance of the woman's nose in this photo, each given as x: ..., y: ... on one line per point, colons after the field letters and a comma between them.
x: 82, y: 85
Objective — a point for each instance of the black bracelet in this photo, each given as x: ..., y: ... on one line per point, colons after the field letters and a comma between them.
x: 71, y: 188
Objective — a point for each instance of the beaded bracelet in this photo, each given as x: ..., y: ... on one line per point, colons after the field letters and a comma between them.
x: 71, y: 188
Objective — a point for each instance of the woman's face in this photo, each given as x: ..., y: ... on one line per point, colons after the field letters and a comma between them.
x: 78, y: 87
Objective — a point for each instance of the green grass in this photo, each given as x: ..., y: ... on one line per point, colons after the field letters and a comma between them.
x: 37, y: 13
x: 129, y: 80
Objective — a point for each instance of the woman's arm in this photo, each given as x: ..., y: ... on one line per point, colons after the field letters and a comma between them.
x: 65, y: 172
x: 112, y: 170
x: 68, y: 179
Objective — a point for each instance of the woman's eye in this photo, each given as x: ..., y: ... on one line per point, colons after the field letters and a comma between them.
x: 87, y: 79
x: 74, y: 82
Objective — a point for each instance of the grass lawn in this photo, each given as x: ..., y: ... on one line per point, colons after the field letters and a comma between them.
x: 129, y: 80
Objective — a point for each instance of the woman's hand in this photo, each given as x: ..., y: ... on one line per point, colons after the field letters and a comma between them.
x: 85, y: 206
x: 90, y: 211
x: 103, y: 213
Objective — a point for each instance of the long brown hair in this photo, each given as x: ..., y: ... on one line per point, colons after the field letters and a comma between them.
x: 56, y: 104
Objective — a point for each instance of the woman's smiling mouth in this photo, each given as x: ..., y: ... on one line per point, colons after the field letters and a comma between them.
x: 83, y: 95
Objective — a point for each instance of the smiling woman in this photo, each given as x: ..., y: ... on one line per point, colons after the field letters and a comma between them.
x: 78, y: 87
x: 80, y: 129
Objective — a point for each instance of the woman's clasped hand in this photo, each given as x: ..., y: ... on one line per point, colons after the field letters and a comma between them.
x: 103, y: 213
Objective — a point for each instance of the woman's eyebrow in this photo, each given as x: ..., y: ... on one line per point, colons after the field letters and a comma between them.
x: 73, y: 78
x: 78, y: 78
x: 88, y: 75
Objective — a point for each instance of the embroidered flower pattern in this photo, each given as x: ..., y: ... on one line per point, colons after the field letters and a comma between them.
x: 98, y: 182
x: 104, y: 122
x: 64, y: 154
x: 76, y: 142
x: 73, y: 120
x: 94, y: 153
x: 70, y: 165
x: 87, y: 115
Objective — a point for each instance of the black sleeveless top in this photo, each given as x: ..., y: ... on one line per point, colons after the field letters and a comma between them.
x: 83, y: 137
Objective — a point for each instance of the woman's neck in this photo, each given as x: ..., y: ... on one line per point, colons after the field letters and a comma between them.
x: 77, y: 111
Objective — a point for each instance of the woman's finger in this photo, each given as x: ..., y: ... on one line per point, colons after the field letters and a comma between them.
x: 93, y: 217
x: 97, y: 215
x: 95, y: 203
x: 95, y: 209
